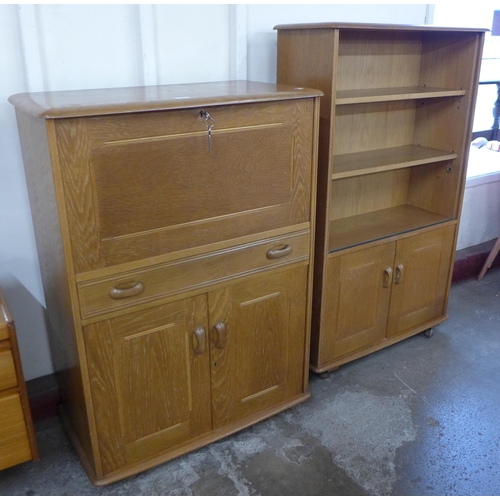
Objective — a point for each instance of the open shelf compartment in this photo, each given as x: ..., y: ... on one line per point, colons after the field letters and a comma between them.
x: 373, y: 226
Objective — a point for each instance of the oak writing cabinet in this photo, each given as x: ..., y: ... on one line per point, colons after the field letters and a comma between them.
x: 175, y: 232
x: 394, y: 133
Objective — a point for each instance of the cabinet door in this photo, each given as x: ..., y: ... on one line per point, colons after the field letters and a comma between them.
x: 258, y: 334
x: 145, y: 184
x: 356, y: 301
x: 150, y: 380
x: 421, y: 279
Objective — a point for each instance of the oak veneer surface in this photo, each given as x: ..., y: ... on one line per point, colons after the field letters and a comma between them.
x: 373, y: 26
x: 150, y: 186
x: 76, y: 103
x: 165, y: 260
x: 395, y: 127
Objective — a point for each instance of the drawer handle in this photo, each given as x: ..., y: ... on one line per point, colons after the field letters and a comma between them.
x: 399, y: 274
x: 221, y: 335
x: 199, y: 340
x: 278, y: 252
x: 387, y: 277
x: 124, y: 290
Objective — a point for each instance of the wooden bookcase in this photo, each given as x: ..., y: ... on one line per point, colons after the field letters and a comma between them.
x: 394, y: 132
x: 177, y: 264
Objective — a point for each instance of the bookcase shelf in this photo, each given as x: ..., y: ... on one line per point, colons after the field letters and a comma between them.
x: 382, y: 160
x: 396, y: 119
x: 393, y: 94
x: 366, y: 228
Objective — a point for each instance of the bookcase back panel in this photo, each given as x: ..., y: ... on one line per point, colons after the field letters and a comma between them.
x: 364, y: 127
x: 368, y: 193
x: 435, y: 188
x: 376, y: 60
x: 449, y: 59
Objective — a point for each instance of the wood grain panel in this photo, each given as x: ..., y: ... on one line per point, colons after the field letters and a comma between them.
x: 307, y: 58
x: 260, y: 173
x: 375, y: 60
x: 372, y: 226
x: 91, y: 102
x: 142, y: 412
x: 187, y: 274
x: 381, y: 160
x: 250, y: 372
x: 8, y: 376
x: 14, y: 441
x: 74, y: 148
x: 364, y: 127
x: 304, y: 154
x: 368, y: 193
x: 135, y: 126
x: 356, y: 302
x: 165, y: 180
x: 436, y: 188
x: 394, y: 94
x: 44, y: 184
x: 421, y: 293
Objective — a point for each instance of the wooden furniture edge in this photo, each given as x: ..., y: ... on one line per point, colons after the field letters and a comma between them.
x: 375, y: 26
x: 98, y: 102
x: 377, y: 347
x: 192, y: 445
x: 21, y: 384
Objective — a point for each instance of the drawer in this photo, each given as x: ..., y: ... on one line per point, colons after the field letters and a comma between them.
x: 14, y: 441
x: 147, y: 184
x: 8, y: 376
x: 102, y: 296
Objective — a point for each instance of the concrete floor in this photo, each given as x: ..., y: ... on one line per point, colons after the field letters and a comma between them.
x: 418, y: 418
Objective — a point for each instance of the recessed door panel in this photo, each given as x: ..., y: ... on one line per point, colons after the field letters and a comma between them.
x: 150, y: 380
x: 356, y: 303
x: 144, y: 185
x: 422, y: 270
x: 257, y: 344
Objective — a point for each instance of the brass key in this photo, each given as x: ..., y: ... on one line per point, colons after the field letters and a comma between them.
x: 209, y: 123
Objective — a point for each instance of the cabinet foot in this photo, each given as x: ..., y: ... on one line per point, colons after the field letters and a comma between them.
x: 428, y: 333
x: 326, y: 374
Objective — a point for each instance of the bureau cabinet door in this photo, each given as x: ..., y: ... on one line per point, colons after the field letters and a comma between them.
x: 145, y: 184
x: 258, y: 333
x: 150, y: 380
x: 421, y: 279
x: 356, y: 302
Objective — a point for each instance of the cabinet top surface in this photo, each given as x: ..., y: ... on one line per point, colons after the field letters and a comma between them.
x: 370, y: 26
x: 92, y: 102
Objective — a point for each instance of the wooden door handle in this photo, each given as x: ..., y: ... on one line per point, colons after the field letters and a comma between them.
x: 124, y: 290
x: 387, y: 277
x: 199, y: 340
x: 278, y: 252
x: 221, y: 335
x: 398, y: 275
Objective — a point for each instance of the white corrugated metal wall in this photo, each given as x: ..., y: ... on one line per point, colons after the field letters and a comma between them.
x: 64, y: 47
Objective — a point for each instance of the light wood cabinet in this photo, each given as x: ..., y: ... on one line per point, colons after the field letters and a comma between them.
x: 175, y: 234
x: 394, y: 134
x: 17, y: 434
